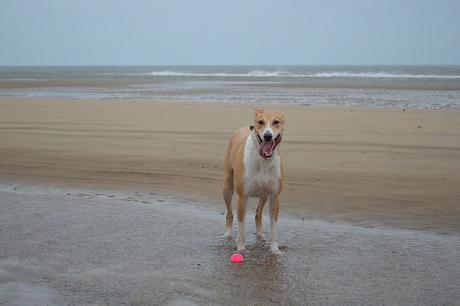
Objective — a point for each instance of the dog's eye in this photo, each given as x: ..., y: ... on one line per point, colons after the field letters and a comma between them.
x: 276, y: 122
x: 261, y: 122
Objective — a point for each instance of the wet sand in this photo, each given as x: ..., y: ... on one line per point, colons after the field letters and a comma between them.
x: 364, y: 166
x: 21, y: 84
x: 93, y: 246
x: 123, y: 83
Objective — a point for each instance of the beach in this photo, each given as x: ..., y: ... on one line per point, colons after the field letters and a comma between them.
x: 116, y: 116
x: 368, y: 167
x: 107, y: 201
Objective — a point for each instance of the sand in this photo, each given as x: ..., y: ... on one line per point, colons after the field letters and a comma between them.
x: 370, y: 167
x: 68, y: 246
x: 123, y: 83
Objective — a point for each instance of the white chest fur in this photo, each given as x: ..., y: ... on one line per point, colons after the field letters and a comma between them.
x: 261, y: 176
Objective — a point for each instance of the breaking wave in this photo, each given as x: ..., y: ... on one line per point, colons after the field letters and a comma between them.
x: 272, y: 74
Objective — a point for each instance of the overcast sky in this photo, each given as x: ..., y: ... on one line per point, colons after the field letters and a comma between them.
x: 244, y: 32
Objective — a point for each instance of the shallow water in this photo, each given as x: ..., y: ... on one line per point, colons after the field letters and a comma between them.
x: 98, y: 246
x: 430, y: 87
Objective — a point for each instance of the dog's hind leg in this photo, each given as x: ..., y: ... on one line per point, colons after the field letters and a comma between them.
x: 259, y: 210
x: 228, y: 194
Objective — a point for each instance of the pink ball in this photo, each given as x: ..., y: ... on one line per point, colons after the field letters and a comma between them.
x: 236, y: 258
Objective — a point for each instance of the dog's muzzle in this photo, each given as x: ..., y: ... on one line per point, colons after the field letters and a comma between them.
x: 267, y: 147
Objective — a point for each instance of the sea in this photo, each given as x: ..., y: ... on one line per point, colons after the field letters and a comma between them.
x: 419, y: 87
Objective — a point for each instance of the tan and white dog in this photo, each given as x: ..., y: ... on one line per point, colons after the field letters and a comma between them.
x: 253, y: 168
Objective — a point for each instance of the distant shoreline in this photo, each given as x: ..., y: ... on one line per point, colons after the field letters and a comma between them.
x: 100, y: 83
x: 393, y: 87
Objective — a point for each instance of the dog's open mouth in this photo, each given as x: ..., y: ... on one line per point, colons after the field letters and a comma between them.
x: 267, y: 147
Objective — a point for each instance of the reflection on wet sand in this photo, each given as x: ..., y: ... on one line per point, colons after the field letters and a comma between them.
x: 113, y: 247
x: 260, y: 276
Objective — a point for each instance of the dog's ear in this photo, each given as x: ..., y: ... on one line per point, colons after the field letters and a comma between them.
x: 259, y: 111
x: 281, y: 116
x: 251, y: 127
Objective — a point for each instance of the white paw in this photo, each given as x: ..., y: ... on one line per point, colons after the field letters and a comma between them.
x: 241, y: 247
x: 227, y: 234
x: 275, y: 250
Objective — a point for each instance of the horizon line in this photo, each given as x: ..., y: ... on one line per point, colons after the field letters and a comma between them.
x: 197, y: 65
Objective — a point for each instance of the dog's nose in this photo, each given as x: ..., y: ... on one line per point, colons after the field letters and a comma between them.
x: 268, y: 136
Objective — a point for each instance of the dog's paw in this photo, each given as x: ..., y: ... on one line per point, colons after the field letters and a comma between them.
x: 227, y: 234
x: 274, y: 249
x: 241, y: 247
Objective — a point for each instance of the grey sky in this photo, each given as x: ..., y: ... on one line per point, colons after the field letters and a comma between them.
x: 171, y: 32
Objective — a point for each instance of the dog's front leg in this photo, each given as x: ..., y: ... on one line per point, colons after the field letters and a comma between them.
x: 241, y: 211
x: 274, y: 213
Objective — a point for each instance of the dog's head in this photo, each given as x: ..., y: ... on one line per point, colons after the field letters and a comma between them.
x: 268, y: 129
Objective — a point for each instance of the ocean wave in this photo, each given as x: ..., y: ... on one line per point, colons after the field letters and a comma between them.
x: 274, y: 74
x: 382, y: 75
x: 255, y: 73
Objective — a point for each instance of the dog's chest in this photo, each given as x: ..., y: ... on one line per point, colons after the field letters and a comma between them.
x: 261, y: 177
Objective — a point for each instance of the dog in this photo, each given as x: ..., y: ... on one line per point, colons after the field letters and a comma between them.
x: 253, y: 168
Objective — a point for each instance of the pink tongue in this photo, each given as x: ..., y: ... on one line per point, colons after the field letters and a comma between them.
x: 266, y: 149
